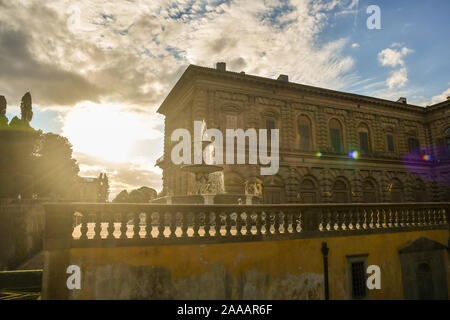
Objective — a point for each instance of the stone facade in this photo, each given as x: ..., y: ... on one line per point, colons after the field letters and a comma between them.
x: 404, y: 149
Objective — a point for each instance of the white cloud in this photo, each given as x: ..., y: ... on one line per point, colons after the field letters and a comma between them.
x: 121, y: 58
x: 397, y: 79
x: 392, y: 57
x: 355, y: 45
x: 441, y: 97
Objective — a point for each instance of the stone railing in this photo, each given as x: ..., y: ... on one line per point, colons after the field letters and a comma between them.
x: 113, y: 225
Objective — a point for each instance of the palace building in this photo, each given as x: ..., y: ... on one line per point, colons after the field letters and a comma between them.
x: 334, y: 146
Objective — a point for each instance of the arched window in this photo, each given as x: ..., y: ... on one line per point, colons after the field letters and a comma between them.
x: 396, y: 191
x: 364, y: 144
x: 447, y: 141
x: 340, y: 191
x: 419, y: 191
x: 308, y: 191
x: 336, y: 136
x: 413, y: 145
x: 369, y: 191
x: 304, y: 133
x: 231, y: 121
x: 390, y: 142
x: 273, y: 190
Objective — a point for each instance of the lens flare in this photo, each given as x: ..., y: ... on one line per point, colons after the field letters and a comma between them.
x: 426, y: 157
x: 354, y: 154
x: 318, y: 154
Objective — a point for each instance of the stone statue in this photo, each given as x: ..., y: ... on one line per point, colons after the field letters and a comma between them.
x: 26, y: 108
x: 3, y: 119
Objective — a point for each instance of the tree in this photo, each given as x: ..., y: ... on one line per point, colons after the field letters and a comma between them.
x: 56, y: 170
x: 141, y: 195
x: 122, y: 197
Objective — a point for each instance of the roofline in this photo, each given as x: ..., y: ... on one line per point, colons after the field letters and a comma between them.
x: 193, y: 70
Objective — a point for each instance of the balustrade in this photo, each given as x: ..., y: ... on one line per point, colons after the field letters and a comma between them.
x: 86, y: 225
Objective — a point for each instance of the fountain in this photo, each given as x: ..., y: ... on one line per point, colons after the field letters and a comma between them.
x: 209, y: 186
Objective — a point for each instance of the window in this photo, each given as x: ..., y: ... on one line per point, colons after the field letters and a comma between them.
x: 369, y: 191
x: 358, y: 280
x: 363, y: 139
x: 336, y: 136
x: 304, y: 133
x: 390, y: 142
x: 231, y: 122
x: 419, y: 191
x: 413, y: 145
x: 308, y: 191
x: 340, y: 191
x: 357, y: 265
x: 396, y: 191
x: 447, y: 141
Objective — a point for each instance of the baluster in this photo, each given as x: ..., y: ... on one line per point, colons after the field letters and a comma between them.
x: 207, y: 224
x: 196, y: 224
x: 184, y: 224
x: 413, y: 217
x: 426, y: 217
x: 218, y: 224
x: 136, y: 225
x: 83, y: 227
x: 322, y: 224
x: 351, y: 219
x: 97, y: 220
x: 434, y: 217
x: 258, y: 223
x: 238, y: 223
x: 123, y: 225
x: 370, y: 219
x: 444, y: 216
x: 384, y: 218
x: 267, y: 223
x: 227, y: 223
x: 173, y: 224
x: 359, y: 219
x: 285, y: 223
x: 249, y: 224
x: 301, y: 221
x: 396, y: 219
x: 276, y: 222
x: 161, y: 225
x: 344, y: 220
x: 330, y: 222
x: 110, y: 228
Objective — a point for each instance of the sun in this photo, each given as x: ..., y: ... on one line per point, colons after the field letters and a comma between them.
x: 108, y: 132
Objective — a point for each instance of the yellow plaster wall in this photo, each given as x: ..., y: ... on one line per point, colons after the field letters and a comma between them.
x: 283, y: 263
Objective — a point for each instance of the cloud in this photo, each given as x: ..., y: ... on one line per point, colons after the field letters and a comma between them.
x: 441, y: 97
x: 392, y: 57
x: 48, y: 83
x: 110, y: 64
x: 355, y: 45
x: 397, y: 79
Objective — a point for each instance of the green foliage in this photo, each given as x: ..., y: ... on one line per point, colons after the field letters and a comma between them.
x: 122, y: 197
x: 141, y: 195
x: 34, y: 163
x: 55, y: 170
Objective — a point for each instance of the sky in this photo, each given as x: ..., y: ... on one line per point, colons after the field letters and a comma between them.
x: 98, y: 70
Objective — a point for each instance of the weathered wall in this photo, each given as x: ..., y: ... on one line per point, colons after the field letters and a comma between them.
x: 291, y: 269
x: 21, y: 233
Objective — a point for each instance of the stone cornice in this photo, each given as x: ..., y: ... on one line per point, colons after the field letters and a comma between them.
x: 193, y: 71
